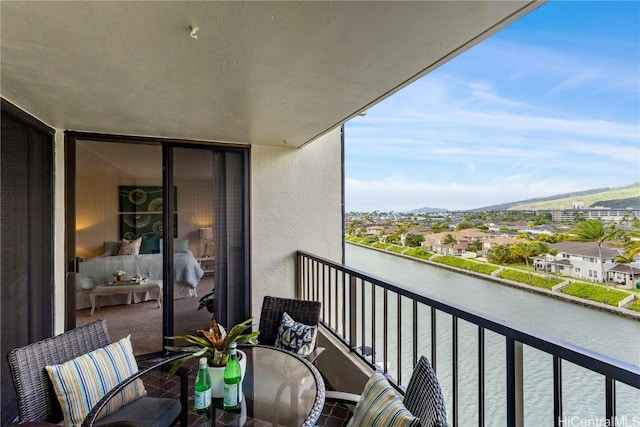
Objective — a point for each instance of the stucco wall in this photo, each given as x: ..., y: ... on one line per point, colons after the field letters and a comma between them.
x: 295, y: 205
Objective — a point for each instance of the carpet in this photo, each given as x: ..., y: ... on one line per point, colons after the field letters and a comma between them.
x: 143, y: 321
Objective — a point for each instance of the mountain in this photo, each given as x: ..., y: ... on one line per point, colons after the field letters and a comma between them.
x: 615, y: 198
x: 428, y: 210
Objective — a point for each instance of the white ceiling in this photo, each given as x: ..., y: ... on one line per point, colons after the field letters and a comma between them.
x: 275, y: 73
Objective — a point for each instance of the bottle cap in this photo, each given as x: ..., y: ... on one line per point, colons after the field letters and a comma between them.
x: 232, y: 344
x: 203, y: 361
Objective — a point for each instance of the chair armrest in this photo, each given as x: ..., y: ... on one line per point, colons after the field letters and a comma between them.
x: 183, y: 373
x: 341, y: 397
x: 311, y: 357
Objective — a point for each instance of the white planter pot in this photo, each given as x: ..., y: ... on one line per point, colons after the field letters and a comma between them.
x: 217, y: 376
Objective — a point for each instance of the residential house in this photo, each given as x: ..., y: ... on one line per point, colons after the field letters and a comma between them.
x: 499, y: 240
x: 578, y: 259
x: 436, y: 242
x: 625, y: 275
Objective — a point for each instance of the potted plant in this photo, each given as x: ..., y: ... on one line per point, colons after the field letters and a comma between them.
x: 208, y: 301
x: 214, y: 345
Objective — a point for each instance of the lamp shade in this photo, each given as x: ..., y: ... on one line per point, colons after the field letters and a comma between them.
x: 205, y: 233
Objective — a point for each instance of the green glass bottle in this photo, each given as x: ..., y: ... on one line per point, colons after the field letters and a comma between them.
x: 232, y: 376
x: 202, y: 399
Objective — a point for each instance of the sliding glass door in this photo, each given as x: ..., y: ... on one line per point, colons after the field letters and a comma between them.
x: 119, y: 224
x: 160, y: 236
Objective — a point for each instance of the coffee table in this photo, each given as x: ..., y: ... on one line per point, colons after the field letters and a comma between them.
x: 128, y: 288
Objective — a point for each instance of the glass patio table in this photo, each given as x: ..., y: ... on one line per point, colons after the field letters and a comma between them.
x: 279, y: 389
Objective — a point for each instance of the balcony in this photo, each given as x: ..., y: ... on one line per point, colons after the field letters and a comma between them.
x: 372, y: 324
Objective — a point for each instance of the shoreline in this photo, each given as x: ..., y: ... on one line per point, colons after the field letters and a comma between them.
x: 620, y: 311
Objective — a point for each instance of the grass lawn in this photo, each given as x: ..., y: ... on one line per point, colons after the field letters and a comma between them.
x: 635, y: 305
x: 596, y: 293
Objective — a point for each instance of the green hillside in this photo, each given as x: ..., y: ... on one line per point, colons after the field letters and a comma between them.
x: 616, y: 198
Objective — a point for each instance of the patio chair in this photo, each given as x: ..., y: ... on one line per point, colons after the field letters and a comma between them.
x: 301, y: 311
x: 423, y: 398
x: 37, y: 400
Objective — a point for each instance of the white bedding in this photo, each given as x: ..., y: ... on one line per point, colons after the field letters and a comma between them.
x: 99, y: 270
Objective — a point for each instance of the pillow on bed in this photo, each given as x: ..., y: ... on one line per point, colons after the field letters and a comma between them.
x: 150, y: 245
x: 111, y: 248
x: 130, y: 247
x: 179, y: 245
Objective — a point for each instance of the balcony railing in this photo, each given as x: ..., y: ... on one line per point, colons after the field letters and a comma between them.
x: 389, y: 327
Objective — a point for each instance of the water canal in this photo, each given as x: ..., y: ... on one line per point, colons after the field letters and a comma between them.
x: 600, y: 331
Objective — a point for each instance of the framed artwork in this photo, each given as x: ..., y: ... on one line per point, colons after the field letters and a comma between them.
x: 143, y: 198
x: 141, y: 211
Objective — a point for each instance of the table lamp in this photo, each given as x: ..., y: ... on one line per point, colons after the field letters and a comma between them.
x: 205, y: 234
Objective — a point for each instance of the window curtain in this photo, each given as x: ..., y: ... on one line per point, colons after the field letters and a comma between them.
x: 230, y: 236
x: 26, y: 227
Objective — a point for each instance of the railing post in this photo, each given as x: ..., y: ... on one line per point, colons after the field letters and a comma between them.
x: 610, y: 399
x: 557, y: 391
x: 515, y: 386
x: 353, y: 315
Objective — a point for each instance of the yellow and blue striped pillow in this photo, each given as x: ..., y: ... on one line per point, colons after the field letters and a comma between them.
x: 81, y: 382
x: 379, y: 405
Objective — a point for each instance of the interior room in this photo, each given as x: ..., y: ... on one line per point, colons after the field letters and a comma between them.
x: 119, y: 203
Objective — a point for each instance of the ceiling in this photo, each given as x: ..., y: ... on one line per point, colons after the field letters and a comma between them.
x: 272, y: 73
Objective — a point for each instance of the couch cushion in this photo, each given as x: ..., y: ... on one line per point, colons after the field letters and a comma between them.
x: 146, y: 412
x: 379, y: 405
x: 81, y: 382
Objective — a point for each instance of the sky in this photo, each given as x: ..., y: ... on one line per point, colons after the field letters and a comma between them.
x: 549, y: 105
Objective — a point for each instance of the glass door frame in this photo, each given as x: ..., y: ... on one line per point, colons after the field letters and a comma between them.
x: 71, y: 262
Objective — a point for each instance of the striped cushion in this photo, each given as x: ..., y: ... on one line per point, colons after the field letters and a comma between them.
x: 81, y: 382
x: 379, y: 405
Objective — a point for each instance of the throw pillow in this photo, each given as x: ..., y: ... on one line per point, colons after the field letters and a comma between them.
x: 111, y: 248
x: 130, y: 247
x: 296, y: 337
x: 179, y: 245
x: 150, y: 245
x: 379, y: 405
x: 81, y: 382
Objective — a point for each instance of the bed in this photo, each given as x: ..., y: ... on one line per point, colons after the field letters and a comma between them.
x: 100, y: 270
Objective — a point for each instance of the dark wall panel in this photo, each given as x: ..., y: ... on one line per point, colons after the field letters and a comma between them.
x: 26, y: 227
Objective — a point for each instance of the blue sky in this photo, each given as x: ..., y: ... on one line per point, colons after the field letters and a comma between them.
x: 549, y: 105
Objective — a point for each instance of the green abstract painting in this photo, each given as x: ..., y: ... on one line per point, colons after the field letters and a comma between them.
x: 141, y: 211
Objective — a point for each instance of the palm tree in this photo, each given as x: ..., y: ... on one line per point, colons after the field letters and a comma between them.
x: 450, y: 240
x: 476, y: 245
x: 632, y: 247
x: 524, y: 250
x: 382, y: 235
x: 593, y: 230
